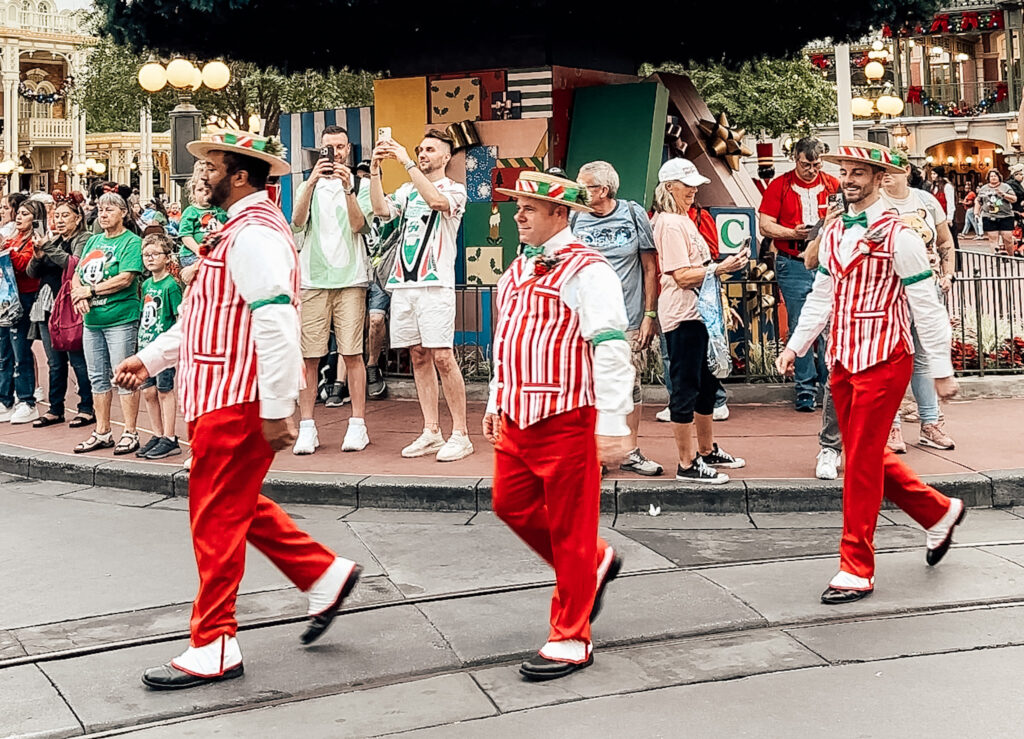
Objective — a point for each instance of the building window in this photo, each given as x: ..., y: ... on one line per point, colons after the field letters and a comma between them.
x: 24, y: 105
x: 43, y: 110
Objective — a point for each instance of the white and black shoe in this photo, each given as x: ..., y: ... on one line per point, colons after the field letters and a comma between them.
x: 721, y: 458
x: 641, y: 465
x: 699, y: 471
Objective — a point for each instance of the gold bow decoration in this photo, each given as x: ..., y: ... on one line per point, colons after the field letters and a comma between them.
x: 463, y: 135
x: 724, y: 141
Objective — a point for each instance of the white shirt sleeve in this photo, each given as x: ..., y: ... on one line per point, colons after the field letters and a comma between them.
x: 814, y: 316
x: 595, y: 292
x: 162, y: 352
x: 261, y: 264
x: 930, y: 318
x: 950, y: 194
x: 492, y: 388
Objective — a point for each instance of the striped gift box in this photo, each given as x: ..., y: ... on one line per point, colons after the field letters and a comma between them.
x: 534, y: 85
x: 300, y: 133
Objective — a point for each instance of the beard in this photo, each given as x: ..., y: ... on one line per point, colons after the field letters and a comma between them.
x: 220, y: 192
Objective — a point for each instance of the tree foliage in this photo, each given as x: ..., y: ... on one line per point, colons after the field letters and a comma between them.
x: 109, y: 92
x: 767, y: 97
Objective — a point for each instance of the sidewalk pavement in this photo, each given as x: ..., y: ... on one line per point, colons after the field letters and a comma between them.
x: 101, y: 581
x: 778, y: 443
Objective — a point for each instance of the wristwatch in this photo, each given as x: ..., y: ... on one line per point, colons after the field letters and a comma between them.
x: 651, y: 314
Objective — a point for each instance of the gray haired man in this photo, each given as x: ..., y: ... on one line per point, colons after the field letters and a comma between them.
x: 621, y: 231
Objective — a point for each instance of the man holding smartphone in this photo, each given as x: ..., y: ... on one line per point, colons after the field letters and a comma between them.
x: 791, y: 211
x: 334, y: 281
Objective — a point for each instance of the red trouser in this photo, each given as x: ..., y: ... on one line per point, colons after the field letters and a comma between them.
x: 230, y: 459
x: 865, y: 404
x: 547, y: 488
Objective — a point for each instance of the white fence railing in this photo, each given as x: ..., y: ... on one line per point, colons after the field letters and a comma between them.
x: 45, y: 129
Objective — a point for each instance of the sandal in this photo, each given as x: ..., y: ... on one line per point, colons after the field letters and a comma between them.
x: 80, y: 420
x: 47, y: 419
x: 128, y: 443
x: 95, y: 441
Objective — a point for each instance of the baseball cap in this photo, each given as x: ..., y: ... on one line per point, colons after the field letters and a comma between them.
x: 682, y: 170
x: 363, y: 166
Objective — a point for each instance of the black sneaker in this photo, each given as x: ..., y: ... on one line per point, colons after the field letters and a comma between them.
x: 722, y: 458
x: 376, y: 388
x: 700, y: 472
x: 164, y: 448
x: 338, y: 395
x: 141, y: 453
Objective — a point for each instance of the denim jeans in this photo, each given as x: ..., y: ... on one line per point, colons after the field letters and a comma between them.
x: 721, y: 397
x: 923, y: 386
x: 58, y: 362
x: 795, y: 283
x: 105, y: 348
x: 972, y: 221
x: 17, y: 371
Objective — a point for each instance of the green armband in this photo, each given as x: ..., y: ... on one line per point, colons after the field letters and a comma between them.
x: 822, y: 269
x: 608, y: 336
x: 276, y: 300
x: 917, y: 278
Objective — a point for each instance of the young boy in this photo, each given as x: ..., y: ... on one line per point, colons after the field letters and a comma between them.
x: 161, y: 297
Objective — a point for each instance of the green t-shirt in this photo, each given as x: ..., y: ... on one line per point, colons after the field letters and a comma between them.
x: 197, y: 222
x: 103, y: 258
x: 160, y: 302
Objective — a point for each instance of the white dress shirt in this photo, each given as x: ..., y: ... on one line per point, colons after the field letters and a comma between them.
x: 260, y: 263
x: 595, y: 293
x: 909, y: 258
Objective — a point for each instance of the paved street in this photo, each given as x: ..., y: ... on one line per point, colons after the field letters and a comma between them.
x: 715, y: 629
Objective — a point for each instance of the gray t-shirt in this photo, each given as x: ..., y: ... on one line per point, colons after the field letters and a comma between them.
x: 993, y: 201
x: 620, y: 236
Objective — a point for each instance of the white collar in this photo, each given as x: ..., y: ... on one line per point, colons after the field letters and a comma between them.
x: 246, y: 202
x: 559, y: 241
x: 876, y: 209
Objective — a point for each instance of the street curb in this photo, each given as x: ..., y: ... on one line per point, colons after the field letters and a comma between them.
x: 996, y: 488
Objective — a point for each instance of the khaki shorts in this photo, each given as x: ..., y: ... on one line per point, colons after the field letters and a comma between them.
x: 345, y: 308
x: 639, y: 357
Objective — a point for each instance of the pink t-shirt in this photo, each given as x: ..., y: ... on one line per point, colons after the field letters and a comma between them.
x: 679, y: 244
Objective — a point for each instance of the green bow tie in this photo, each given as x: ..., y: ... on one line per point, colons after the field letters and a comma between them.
x: 861, y: 219
x: 533, y: 251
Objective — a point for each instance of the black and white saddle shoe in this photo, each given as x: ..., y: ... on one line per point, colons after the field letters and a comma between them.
x: 838, y: 596
x: 611, y: 567
x: 540, y: 668
x: 169, y: 677
x: 343, y: 571
x: 943, y: 532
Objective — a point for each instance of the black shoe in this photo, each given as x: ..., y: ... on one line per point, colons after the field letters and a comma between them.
x: 805, y: 407
x: 722, y: 458
x: 165, y: 448
x: 700, y: 472
x: 169, y: 677
x: 838, y: 596
x: 338, y: 395
x: 148, y: 447
x: 541, y: 668
x: 934, y: 556
x: 376, y: 387
x: 611, y: 574
x: 319, y: 623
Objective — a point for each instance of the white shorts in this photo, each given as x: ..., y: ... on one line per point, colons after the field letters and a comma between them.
x: 423, y: 316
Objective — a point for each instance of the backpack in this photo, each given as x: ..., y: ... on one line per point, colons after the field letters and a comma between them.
x: 66, y: 325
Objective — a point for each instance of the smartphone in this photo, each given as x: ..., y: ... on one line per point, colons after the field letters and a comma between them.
x: 815, y: 230
x: 384, y: 133
x: 327, y: 152
x: 837, y: 199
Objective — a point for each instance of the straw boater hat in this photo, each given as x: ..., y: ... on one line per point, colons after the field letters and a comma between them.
x: 553, y: 189
x: 265, y: 148
x: 869, y: 153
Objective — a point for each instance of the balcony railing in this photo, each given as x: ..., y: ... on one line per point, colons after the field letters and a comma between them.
x: 42, y: 130
x: 30, y: 20
x: 954, y: 5
x: 962, y: 99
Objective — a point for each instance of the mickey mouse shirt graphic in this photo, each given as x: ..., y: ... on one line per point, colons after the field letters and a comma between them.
x: 102, y: 259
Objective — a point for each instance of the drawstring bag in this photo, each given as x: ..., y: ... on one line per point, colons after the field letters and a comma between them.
x: 712, y: 313
x: 65, y: 324
x: 10, y: 301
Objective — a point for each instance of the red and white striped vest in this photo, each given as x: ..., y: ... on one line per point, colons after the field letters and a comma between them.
x: 545, y: 366
x: 870, y: 313
x: 217, y: 359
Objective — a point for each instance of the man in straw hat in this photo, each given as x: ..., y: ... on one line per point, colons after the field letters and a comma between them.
x: 873, y: 276
x: 562, y: 373
x: 237, y: 349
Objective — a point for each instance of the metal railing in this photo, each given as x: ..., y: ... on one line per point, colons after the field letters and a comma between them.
x: 968, y: 95
x: 986, y: 307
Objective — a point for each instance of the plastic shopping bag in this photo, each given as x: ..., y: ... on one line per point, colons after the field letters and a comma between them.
x: 712, y: 313
x: 10, y: 301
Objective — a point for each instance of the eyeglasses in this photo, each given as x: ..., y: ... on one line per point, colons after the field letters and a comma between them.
x: 816, y: 164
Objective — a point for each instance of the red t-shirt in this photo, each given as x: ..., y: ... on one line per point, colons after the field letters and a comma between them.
x: 792, y: 202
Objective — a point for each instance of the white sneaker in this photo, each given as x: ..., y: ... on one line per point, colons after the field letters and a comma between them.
x: 721, y: 413
x: 356, y: 437
x: 457, y: 447
x: 6, y: 412
x: 664, y: 415
x: 187, y: 464
x: 308, y: 440
x: 24, y: 413
x: 426, y: 443
x: 828, y: 464
x: 39, y: 395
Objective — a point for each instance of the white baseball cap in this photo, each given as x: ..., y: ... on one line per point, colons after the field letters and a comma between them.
x: 683, y: 171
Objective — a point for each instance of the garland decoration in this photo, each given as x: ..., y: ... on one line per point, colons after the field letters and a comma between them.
x: 917, y: 94
x: 47, y: 97
x: 969, y: 20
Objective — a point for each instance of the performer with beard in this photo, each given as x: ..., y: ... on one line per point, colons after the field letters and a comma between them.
x: 237, y: 349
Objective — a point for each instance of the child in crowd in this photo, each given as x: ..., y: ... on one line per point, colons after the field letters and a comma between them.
x: 197, y: 220
x: 161, y: 298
